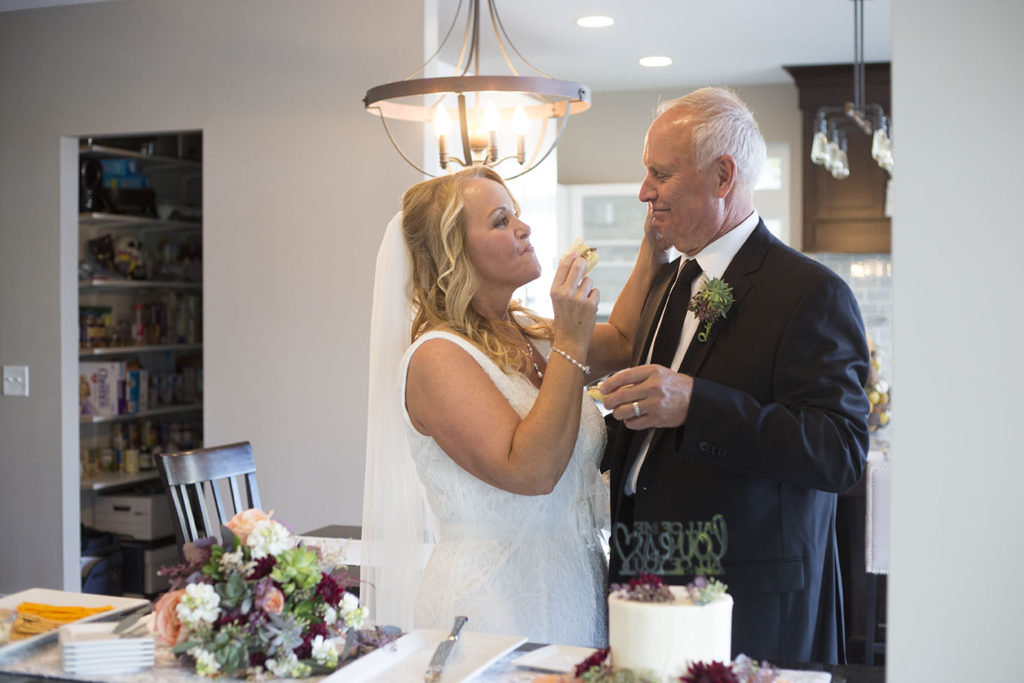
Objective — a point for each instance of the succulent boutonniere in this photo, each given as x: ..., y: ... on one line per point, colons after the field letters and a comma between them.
x: 712, y: 302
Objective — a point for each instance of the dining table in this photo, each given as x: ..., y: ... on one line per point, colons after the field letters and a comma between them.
x: 42, y: 661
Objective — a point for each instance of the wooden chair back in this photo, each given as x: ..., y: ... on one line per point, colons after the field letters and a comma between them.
x: 218, y: 474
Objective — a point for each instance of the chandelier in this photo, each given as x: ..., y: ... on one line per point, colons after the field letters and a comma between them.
x: 828, y: 147
x: 481, y: 106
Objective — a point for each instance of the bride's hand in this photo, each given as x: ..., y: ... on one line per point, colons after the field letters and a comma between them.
x: 574, y: 300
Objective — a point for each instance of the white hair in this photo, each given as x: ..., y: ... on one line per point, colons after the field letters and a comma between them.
x: 723, y: 124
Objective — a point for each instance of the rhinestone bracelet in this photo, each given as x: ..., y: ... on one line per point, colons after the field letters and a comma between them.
x: 563, y: 354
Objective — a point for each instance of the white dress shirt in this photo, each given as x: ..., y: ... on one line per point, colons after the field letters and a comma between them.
x: 713, y: 260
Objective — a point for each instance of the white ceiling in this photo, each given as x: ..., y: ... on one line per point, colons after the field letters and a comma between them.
x: 711, y: 42
x: 719, y: 42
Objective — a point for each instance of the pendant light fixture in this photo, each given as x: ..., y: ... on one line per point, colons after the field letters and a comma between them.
x: 468, y: 110
x: 828, y: 147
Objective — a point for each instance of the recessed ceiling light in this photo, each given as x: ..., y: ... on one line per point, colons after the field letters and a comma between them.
x: 655, y: 61
x: 595, y: 22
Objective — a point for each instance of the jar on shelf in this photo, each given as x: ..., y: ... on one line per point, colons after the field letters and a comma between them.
x: 139, y: 325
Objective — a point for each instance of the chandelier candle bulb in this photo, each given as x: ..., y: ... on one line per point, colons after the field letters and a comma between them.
x: 491, y: 117
x: 819, y: 153
x: 519, y: 127
x: 491, y: 122
x: 442, y: 123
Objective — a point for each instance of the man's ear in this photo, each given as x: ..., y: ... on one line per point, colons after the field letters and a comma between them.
x: 725, y: 170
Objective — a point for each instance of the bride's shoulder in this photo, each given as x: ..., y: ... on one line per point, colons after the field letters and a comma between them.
x: 439, y: 344
x: 442, y: 362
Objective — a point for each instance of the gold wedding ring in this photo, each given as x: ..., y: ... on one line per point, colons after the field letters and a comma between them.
x: 636, y: 409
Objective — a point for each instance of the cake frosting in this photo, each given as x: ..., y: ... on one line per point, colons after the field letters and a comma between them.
x: 664, y: 637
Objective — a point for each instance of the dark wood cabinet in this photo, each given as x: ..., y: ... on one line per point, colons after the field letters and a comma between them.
x: 843, y: 215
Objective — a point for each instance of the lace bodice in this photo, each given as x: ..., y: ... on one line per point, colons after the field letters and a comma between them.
x: 520, y: 565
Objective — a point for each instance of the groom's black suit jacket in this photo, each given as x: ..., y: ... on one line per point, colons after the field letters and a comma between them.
x: 777, y: 425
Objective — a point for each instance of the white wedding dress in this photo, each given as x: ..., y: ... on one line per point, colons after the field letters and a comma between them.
x: 519, y: 565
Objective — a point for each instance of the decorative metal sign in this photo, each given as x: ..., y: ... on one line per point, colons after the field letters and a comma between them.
x: 671, y: 548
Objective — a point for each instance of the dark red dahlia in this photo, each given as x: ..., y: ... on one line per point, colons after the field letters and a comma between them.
x: 233, y: 616
x: 263, y: 567
x: 256, y: 659
x: 652, y: 581
x: 709, y: 672
x: 596, y: 659
x: 329, y: 590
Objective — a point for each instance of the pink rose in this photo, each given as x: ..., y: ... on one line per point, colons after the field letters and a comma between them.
x: 274, y: 601
x: 242, y: 524
x: 165, y: 617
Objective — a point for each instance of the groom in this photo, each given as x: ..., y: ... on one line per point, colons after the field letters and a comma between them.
x: 736, y: 436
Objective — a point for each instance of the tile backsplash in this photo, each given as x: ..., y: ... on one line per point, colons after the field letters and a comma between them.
x: 870, y: 278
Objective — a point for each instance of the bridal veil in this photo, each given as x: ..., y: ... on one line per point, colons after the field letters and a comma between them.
x: 397, y: 525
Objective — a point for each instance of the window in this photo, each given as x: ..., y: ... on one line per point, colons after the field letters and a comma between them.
x: 771, y: 194
x: 611, y: 218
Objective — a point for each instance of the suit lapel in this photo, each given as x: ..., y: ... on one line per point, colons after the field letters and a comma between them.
x: 739, y: 274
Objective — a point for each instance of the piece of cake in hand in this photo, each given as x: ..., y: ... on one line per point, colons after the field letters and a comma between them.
x: 588, y: 253
x: 657, y: 628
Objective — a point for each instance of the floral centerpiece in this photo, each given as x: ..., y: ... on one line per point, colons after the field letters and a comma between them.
x: 265, y: 605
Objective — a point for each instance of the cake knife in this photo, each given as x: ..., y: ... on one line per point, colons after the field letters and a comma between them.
x: 132, y: 616
x: 444, y: 649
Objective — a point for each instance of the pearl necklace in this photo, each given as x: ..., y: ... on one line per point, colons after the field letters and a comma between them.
x: 540, y: 375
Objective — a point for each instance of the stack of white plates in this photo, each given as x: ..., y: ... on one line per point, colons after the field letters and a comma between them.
x: 88, y: 649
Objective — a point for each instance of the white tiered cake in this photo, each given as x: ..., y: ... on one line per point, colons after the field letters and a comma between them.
x: 664, y: 637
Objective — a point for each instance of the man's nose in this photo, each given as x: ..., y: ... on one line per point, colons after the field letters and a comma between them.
x: 646, y: 192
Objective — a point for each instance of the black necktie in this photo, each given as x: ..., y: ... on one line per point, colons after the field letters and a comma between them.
x: 671, y: 330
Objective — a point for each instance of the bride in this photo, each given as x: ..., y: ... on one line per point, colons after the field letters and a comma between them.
x: 483, y: 449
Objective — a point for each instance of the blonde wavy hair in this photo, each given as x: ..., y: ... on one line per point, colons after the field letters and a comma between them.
x: 444, y: 281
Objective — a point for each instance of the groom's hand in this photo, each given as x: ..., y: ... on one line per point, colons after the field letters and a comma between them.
x: 661, y: 396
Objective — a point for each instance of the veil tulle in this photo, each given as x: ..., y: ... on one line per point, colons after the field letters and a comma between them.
x: 398, y: 528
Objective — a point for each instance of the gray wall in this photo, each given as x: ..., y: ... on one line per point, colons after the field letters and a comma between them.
x: 299, y: 183
x: 957, y: 549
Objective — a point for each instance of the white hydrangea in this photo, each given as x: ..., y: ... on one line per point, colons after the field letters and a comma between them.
x: 206, y: 662
x: 330, y: 615
x: 282, y: 665
x: 269, y: 538
x: 350, y: 611
x: 287, y: 665
x: 199, y: 607
x: 348, y: 602
x: 324, y: 652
